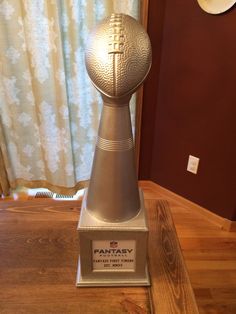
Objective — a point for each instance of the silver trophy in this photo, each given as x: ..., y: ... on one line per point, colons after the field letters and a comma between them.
x: 113, y: 229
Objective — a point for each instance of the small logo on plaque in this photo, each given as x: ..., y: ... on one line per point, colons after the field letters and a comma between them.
x: 113, y: 244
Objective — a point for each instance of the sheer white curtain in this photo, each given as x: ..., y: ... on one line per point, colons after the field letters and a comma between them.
x: 49, y: 110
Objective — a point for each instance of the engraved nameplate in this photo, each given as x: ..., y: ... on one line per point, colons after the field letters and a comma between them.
x: 114, y: 255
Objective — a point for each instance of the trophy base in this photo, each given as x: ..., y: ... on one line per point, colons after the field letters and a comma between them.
x: 112, y: 254
x: 112, y: 282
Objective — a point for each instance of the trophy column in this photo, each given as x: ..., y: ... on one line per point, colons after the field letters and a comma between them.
x: 113, y: 229
x: 113, y: 190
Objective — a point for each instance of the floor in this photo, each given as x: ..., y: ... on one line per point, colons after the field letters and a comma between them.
x: 209, y: 252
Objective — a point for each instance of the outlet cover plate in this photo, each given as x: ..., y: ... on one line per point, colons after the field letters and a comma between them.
x: 193, y: 163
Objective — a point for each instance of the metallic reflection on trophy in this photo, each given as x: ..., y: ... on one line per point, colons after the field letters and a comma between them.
x: 113, y: 229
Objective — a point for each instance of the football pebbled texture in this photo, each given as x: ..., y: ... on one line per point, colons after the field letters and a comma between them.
x: 118, y: 55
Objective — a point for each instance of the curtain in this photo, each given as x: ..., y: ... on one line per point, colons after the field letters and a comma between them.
x: 4, y: 183
x: 49, y: 110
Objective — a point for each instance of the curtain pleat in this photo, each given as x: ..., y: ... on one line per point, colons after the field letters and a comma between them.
x: 4, y: 183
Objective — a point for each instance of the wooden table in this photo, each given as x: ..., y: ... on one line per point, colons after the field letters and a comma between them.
x: 38, y: 264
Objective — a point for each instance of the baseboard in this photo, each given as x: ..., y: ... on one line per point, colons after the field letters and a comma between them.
x: 222, y: 222
x: 229, y: 225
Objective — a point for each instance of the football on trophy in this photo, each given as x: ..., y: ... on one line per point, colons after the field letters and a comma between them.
x: 118, y: 56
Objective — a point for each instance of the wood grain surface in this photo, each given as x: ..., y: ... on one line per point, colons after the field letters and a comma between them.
x: 39, y: 253
x: 209, y: 253
x: 38, y: 264
x: 171, y: 288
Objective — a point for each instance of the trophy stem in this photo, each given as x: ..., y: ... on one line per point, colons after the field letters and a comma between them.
x: 113, y: 190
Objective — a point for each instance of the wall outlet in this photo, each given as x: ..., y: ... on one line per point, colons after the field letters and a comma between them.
x: 193, y: 163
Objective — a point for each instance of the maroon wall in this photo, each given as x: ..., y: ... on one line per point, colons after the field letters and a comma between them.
x: 155, y: 27
x: 190, y: 104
